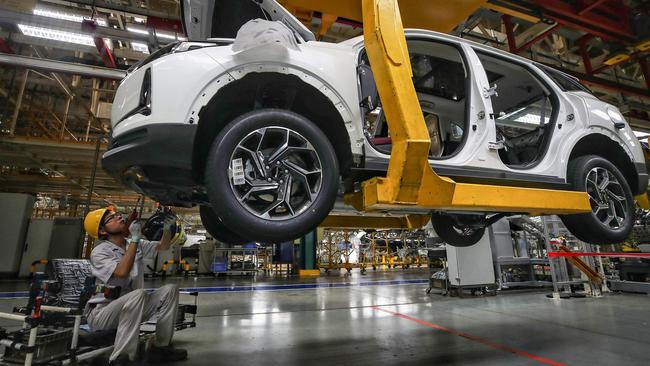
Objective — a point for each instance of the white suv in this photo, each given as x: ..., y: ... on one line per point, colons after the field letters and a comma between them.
x: 266, y: 129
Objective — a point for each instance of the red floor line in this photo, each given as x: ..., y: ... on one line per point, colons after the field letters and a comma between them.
x: 474, y: 338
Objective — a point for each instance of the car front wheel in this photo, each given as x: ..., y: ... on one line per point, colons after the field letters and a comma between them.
x: 272, y: 175
x: 215, y: 227
x: 612, y: 204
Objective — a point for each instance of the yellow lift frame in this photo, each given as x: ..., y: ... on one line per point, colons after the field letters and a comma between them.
x: 411, y: 185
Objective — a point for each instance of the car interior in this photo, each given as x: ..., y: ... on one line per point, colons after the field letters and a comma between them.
x: 523, y: 111
x: 441, y: 81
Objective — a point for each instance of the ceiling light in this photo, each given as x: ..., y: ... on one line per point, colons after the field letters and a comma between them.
x: 137, y: 30
x: 56, y: 35
x: 66, y: 16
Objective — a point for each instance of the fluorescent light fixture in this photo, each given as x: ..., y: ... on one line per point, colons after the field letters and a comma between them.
x: 56, y: 35
x: 138, y: 20
x: 66, y: 16
x: 137, y: 30
x: 140, y: 47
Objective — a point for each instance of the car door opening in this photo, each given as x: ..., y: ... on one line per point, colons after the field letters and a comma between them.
x: 441, y: 80
x: 524, y: 111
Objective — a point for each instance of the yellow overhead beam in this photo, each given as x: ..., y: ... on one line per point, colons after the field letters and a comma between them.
x: 410, y: 183
x: 436, y: 15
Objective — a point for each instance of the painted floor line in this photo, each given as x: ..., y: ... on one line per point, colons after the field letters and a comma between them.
x: 470, y: 337
x: 248, y: 288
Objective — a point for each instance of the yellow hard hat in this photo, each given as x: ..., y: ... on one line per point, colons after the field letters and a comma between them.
x: 93, y: 220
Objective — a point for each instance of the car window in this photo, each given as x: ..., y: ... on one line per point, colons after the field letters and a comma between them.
x: 564, y: 81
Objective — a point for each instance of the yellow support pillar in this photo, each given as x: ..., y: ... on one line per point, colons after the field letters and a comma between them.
x: 410, y: 183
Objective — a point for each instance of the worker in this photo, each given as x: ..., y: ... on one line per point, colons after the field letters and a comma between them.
x: 117, y: 260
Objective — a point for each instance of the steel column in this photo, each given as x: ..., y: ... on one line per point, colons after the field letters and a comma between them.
x: 584, y: 52
x: 643, y: 63
x: 65, y: 117
x: 510, y: 32
x: 89, y: 197
x: 19, y: 102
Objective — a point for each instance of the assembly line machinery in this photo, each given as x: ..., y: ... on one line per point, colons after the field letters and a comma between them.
x: 348, y: 249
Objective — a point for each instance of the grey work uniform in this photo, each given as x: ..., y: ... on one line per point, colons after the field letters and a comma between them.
x: 134, y: 304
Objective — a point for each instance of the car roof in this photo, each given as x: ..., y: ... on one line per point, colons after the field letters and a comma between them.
x: 475, y: 45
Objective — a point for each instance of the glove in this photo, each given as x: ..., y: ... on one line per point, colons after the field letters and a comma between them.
x: 168, y: 223
x: 135, y: 229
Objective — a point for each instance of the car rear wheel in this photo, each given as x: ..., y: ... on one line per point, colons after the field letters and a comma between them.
x: 612, y: 204
x: 458, y: 230
x: 272, y: 175
x: 215, y: 227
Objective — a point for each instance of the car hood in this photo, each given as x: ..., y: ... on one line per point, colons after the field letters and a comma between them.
x: 203, y: 19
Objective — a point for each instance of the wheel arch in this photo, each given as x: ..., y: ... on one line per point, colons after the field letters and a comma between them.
x: 602, y: 145
x: 263, y: 86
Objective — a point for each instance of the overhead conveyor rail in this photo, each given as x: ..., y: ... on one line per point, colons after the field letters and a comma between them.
x: 410, y: 184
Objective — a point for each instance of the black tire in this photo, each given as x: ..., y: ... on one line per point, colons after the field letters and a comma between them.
x: 453, y: 232
x: 589, y: 227
x: 215, y: 227
x: 318, y: 155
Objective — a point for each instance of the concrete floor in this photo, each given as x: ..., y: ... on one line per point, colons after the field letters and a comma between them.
x: 401, y: 324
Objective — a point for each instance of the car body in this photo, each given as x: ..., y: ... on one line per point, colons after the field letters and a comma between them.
x: 170, y: 108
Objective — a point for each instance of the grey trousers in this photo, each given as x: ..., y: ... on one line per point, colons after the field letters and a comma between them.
x: 127, y: 312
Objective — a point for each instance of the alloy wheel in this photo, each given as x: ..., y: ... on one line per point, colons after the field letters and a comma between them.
x: 607, y: 197
x: 275, y: 173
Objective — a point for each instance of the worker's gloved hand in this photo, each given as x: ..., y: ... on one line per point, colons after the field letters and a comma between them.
x: 135, y: 229
x: 169, y: 222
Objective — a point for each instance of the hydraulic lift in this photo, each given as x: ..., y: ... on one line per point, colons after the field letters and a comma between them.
x: 411, y: 186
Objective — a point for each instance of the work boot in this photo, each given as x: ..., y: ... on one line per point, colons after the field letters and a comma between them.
x: 165, y: 354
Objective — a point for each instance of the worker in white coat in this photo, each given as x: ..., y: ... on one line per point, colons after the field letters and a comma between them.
x: 117, y: 261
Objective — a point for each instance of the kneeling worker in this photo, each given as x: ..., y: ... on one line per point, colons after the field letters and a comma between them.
x: 117, y: 261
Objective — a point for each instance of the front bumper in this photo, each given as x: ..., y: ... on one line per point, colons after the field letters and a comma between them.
x: 155, y: 160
